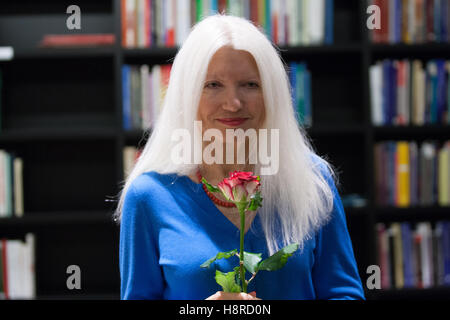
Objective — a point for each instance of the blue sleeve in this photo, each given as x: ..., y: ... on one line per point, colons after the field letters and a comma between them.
x: 140, y: 274
x: 335, y: 273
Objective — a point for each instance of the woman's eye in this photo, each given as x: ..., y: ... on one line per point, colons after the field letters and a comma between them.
x: 212, y: 85
x: 252, y: 84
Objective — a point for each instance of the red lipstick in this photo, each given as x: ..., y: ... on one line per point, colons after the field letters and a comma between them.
x: 233, y: 122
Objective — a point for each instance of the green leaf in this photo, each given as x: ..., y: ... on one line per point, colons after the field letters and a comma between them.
x: 251, y: 261
x: 220, y: 255
x: 209, y: 186
x: 227, y: 281
x: 278, y: 259
x: 238, y: 275
x: 255, y: 202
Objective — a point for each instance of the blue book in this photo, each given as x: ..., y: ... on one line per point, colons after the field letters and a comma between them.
x: 398, y: 21
x: 308, y: 102
x: 408, y: 273
x: 441, y: 91
x: 446, y: 250
x: 329, y: 21
x: 385, y: 92
x: 126, y: 103
x: 444, y: 20
x: 214, y: 6
x: 293, y: 82
x: 392, y: 92
x: 433, y: 91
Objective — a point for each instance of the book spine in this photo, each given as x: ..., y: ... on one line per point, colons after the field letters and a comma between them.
x: 126, y: 83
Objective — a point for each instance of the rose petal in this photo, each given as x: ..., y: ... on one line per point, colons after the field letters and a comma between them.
x: 240, y: 193
x: 252, y: 186
x: 226, y: 190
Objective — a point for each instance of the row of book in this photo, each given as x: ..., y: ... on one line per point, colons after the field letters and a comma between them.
x: 408, y: 174
x: 11, y: 185
x: 17, y: 268
x: 167, y: 23
x: 414, y: 256
x: 300, y: 80
x: 143, y: 90
x: 412, y: 21
x: 405, y: 92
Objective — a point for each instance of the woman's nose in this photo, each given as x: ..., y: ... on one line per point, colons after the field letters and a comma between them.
x: 233, y: 101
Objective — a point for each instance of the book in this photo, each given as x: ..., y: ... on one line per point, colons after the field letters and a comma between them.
x: 403, y: 174
x: 77, y: 40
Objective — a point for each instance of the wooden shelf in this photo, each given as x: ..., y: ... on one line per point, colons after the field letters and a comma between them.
x: 437, y: 293
x: 412, y: 132
x: 35, y: 219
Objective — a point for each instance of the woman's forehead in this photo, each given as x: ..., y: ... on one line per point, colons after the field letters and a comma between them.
x: 228, y: 60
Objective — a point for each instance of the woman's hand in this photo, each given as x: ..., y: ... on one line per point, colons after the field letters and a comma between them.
x: 220, y: 295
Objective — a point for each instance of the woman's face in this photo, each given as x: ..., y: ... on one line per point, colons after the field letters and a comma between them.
x: 232, y: 94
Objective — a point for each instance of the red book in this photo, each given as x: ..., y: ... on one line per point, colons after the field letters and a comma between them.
x: 123, y: 18
x: 254, y: 11
x: 5, y: 268
x: 222, y: 6
x: 147, y: 23
x: 430, y: 36
x: 384, y: 17
x: 275, y: 28
x: 377, y: 33
x: 73, y: 40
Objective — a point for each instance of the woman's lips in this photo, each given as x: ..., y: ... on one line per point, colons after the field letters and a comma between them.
x: 232, y: 121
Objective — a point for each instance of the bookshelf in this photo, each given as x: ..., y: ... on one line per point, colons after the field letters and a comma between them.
x: 61, y: 111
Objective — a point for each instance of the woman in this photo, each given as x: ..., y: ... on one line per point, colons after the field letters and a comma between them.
x: 227, y: 75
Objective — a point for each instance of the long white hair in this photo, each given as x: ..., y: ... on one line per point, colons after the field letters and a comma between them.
x: 298, y: 199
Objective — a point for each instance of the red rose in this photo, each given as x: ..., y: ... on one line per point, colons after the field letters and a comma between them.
x: 239, y: 186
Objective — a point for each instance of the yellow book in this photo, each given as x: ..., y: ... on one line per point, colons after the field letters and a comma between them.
x: 403, y: 192
x: 398, y: 255
x: 443, y: 174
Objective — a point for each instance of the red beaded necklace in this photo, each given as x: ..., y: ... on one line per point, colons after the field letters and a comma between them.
x: 213, y: 197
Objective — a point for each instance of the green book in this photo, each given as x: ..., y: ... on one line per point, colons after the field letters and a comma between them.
x: 199, y: 10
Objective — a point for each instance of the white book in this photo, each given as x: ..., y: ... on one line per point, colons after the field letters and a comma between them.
x: 292, y: 9
x: 316, y: 9
x: 306, y: 23
x: 427, y: 256
x: 30, y: 283
x: 129, y: 154
x: 130, y: 6
x: 140, y: 23
x: 150, y: 102
x: 183, y: 23
x: 18, y: 187
x: 376, y: 75
x: 157, y: 95
x: 13, y: 248
x: 235, y: 8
